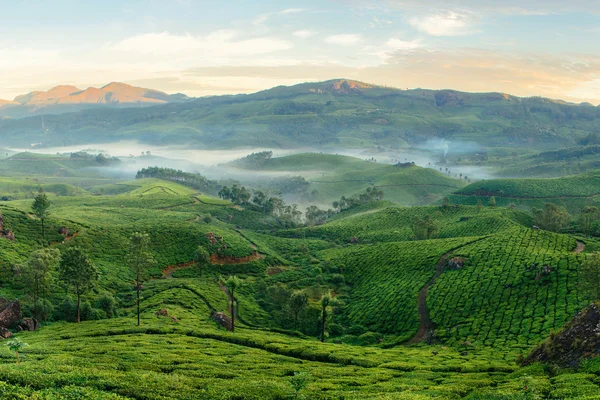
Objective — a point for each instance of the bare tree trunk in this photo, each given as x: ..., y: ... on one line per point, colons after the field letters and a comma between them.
x: 324, y: 317
x: 35, y: 301
x: 232, y: 311
x: 78, y: 308
x: 138, y: 303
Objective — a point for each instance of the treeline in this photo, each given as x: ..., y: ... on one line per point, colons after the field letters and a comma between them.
x: 288, y: 214
x: 99, y: 158
x: 195, y: 181
x: 254, y: 160
x: 571, y: 152
x: 315, y: 215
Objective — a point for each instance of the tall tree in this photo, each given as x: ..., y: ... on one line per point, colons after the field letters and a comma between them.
x: 140, y: 260
x: 298, y: 303
x: 201, y: 257
x: 36, y: 273
x: 587, y: 218
x: 40, y: 207
x: 78, y: 272
x: 325, y: 300
x: 590, y: 277
x: 232, y: 284
x: 551, y: 217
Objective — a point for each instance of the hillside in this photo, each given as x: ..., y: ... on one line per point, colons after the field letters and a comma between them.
x: 337, y: 113
x: 482, y: 290
x: 329, y: 176
x: 573, y: 192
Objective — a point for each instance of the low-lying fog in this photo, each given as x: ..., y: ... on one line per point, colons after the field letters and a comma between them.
x: 136, y: 156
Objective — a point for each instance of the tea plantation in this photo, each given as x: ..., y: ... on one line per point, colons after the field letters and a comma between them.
x: 445, y: 316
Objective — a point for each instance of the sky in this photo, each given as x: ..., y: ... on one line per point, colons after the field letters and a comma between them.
x: 544, y: 48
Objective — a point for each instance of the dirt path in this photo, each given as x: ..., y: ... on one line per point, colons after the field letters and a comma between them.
x: 167, y: 272
x: 426, y: 323
x: 580, y: 247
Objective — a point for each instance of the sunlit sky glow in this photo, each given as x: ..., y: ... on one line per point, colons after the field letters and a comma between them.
x: 530, y: 47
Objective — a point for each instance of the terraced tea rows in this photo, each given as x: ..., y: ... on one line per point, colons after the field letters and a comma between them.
x: 514, y: 288
x: 385, y: 280
x: 394, y: 223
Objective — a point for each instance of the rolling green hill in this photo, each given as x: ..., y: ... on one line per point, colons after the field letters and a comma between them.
x: 482, y: 290
x: 333, y: 176
x: 325, y: 114
x: 573, y: 192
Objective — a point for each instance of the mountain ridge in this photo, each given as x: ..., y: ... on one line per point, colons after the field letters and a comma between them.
x: 338, y: 113
x: 66, y: 98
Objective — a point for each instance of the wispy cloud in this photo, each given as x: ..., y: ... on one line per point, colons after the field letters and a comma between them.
x: 217, y: 45
x: 261, y: 19
x: 303, y: 33
x: 451, y: 23
x: 346, y: 39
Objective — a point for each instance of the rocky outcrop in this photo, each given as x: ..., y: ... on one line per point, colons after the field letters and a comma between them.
x: 578, y: 340
x: 29, y: 324
x: 222, y: 319
x: 5, y: 233
x: 10, y: 313
x: 5, y: 333
x: 164, y: 313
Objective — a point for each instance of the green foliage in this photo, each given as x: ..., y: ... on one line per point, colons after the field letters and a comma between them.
x: 426, y: 228
x: 40, y: 207
x: 36, y: 273
x: 78, y: 273
x: 192, y: 180
x: 590, y: 277
x: 140, y: 261
x: 551, y: 217
x: 298, y: 303
x: 299, y: 381
x: 588, y: 221
x: 16, y: 345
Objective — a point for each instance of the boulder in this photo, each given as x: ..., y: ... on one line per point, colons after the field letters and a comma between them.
x: 162, y: 313
x: 29, y: 324
x: 222, y: 319
x: 10, y: 313
x: 5, y: 333
x: 578, y: 340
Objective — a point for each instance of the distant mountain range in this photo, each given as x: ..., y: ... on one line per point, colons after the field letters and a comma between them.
x: 67, y: 98
x: 333, y: 114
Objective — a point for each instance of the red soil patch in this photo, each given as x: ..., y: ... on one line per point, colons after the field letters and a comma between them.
x: 168, y: 271
x: 217, y: 259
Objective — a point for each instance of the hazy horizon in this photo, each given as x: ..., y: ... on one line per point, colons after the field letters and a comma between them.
x: 526, y: 48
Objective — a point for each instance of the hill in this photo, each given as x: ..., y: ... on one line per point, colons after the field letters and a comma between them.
x: 573, y: 192
x: 327, y: 177
x: 481, y: 290
x: 337, y: 113
x: 68, y: 98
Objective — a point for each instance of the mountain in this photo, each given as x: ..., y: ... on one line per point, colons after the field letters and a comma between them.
x: 331, y: 114
x: 68, y: 98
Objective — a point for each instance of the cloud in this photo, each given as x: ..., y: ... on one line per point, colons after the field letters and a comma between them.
x: 346, y: 39
x: 449, y: 23
x: 505, y: 7
x: 261, y: 19
x: 303, y: 33
x: 217, y: 45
